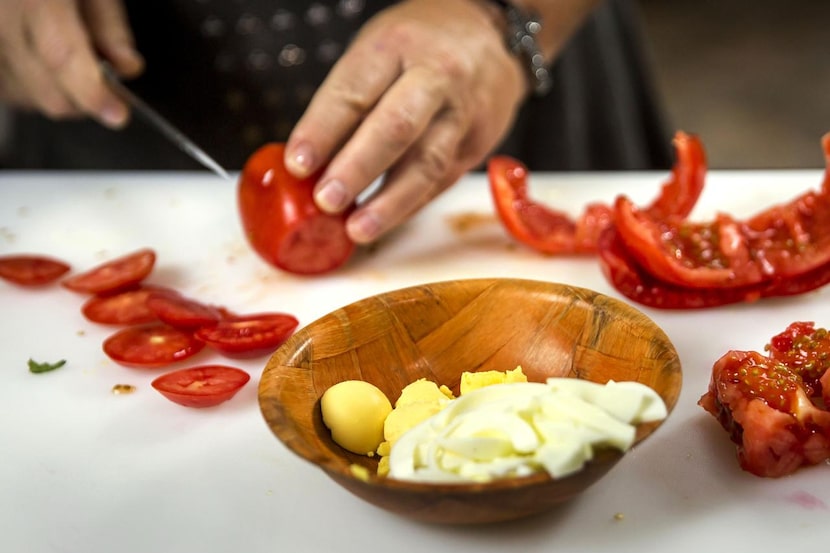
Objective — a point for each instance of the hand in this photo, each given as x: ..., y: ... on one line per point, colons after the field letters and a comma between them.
x: 49, y: 54
x: 426, y: 90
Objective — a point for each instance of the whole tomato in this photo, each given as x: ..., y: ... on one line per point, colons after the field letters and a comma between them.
x: 282, y: 222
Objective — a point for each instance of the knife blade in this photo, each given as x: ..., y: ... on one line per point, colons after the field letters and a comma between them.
x: 160, y: 123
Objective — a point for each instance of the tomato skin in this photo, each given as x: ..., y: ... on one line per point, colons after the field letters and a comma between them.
x: 31, y: 270
x: 554, y: 232
x: 151, y: 345
x: 182, y: 312
x: 127, y: 307
x: 281, y: 221
x: 202, y: 386
x: 249, y: 335
x: 764, y: 407
x: 114, y: 275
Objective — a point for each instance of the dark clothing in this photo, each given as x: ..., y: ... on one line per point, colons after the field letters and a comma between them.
x: 234, y: 75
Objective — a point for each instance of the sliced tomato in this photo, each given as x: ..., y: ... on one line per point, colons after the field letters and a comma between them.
x: 151, y: 345
x: 777, y: 244
x: 554, y: 232
x: 124, y: 308
x: 249, y: 335
x: 203, y: 386
x: 31, y: 270
x: 182, y: 312
x: 805, y: 349
x: 764, y: 407
x: 114, y: 275
x: 281, y: 221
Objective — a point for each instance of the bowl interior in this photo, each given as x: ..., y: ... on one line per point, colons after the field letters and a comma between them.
x: 439, y: 330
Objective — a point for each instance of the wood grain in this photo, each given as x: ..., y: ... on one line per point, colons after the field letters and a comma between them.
x: 439, y: 330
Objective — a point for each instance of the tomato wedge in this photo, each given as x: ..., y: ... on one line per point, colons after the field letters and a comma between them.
x: 554, y: 232
x: 151, y: 345
x: 182, y: 312
x: 281, y: 221
x: 778, y: 244
x: 124, y: 308
x: 203, y: 386
x: 31, y: 270
x: 114, y: 275
x: 249, y: 335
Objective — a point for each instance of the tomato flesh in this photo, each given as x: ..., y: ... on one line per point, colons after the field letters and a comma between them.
x: 31, y: 270
x: 766, y: 410
x: 124, y: 308
x: 554, y: 232
x: 202, y: 386
x: 281, y: 221
x: 114, y: 275
x: 151, y: 345
x: 249, y: 335
x: 806, y: 350
x: 182, y: 312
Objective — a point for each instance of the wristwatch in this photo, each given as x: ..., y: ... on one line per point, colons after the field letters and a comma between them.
x: 522, y: 28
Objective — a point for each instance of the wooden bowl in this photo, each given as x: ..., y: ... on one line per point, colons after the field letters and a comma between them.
x: 438, y: 331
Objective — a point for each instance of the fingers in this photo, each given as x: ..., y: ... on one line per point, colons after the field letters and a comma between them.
x: 427, y: 169
x: 49, y: 57
x: 111, y: 35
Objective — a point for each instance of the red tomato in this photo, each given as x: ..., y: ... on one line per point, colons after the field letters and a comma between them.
x: 249, y: 335
x: 151, y: 345
x: 805, y: 349
x: 778, y: 244
x: 31, y: 270
x: 554, y: 232
x: 203, y: 386
x: 182, y: 312
x: 114, y: 275
x: 281, y: 221
x: 764, y: 407
x: 124, y: 308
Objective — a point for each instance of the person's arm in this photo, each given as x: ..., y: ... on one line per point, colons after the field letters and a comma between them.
x: 50, y: 52
x: 426, y: 90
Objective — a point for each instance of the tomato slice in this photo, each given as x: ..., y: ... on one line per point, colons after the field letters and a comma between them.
x: 203, y: 386
x: 778, y: 244
x: 554, y: 232
x: 31, y: 270
x: 116, y: 274
x: 182, y: 312
x: 124, y: 308
x: 764, y: 407
x: 249, y: 335
x: 805, y: 349
x: 151, y: 345
x: 281, y: 221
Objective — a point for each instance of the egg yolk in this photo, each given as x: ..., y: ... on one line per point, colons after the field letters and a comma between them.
x: 354, y: 411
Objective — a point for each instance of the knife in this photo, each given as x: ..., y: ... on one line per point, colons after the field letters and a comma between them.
x: 160, y: 123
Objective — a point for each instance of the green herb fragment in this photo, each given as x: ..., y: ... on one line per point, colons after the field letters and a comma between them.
x: 36, y: 367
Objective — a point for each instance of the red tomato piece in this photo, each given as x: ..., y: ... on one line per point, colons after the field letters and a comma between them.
x: 554, y: 232
x: 764, y: 407
x: 203, y: 386
x: 249, y: 335
x: 805, y: 349
x: 124, y: 308
x: 31, y: 270
x: 151, y: 345
x: 281, y: 221
x: 114, y: 275
x: 778, y: 244
x: 182, y: 312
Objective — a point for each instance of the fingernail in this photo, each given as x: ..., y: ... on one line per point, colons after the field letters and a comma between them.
x: 363, y: 227
x: 300, y: 161
x: 331, y: 197
x: 113, y: 115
